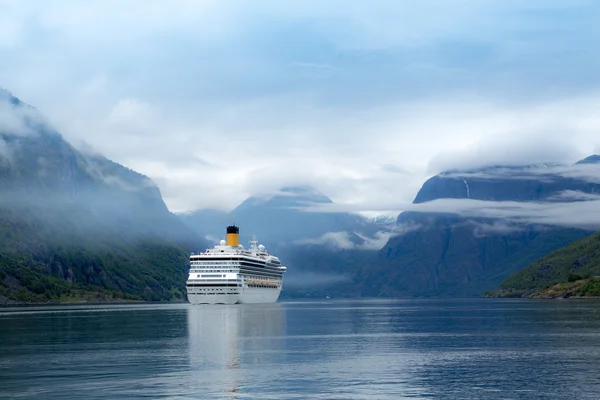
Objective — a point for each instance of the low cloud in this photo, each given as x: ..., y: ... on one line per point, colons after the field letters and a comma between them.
x: 402, y: 228
x: 374, y: 243
x: 511, y: 149
x: 338, y: 240
x: 5, y: 151
x: 574, y: 195
x: 126, y: 179
x: 577, y: 214
x: 581, y: 214
x: 342, y: 241
x: 213, y: 239
x: 18, y: 119
x: 482, y: 229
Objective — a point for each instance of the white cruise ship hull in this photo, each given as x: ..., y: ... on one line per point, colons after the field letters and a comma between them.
x: 213, y: 299
x: 259, y: 295
x: 247, y: 295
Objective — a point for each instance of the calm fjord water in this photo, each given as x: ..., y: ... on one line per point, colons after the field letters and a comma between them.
x: 456, y: 349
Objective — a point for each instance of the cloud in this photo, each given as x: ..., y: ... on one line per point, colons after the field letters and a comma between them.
x: 560, y: 131
x: 5, y: 151
x: 482, y: 229
x: 508, y: 150
x: 585, y: 172
x: 139, y: 184
x: 579, y: 214
x: 341, y: 241
x: 402, y: 228
x: 17, y: 119
x: 585, y: 214
x: 219, y: 100
x: 213, y: 239
x: 568, y: 209
x: 374, y: 243
x: 575, y: 195
x: 233, y: 162
x: 350, y: 25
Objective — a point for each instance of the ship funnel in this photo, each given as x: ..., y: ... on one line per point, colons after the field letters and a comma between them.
x: 233, y: 233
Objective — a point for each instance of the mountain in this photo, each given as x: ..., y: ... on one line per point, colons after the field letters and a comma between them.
x: 570, y: 270
x: 447, y: 254
x: 274, y: 219
x: 76, y: 224
x: 280, y: 222
x: 321, y: 250
x: 593, y: 159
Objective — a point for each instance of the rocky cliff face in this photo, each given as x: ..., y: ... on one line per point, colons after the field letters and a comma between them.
x: 437, y: 254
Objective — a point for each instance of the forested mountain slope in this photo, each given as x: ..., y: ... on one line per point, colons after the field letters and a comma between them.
x: 74, y: 224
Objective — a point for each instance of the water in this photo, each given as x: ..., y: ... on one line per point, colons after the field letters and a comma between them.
x: 455, y: 349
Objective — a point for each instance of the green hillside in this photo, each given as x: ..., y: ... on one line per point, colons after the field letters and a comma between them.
x: 571, y: 269
x: 76, y: 226
x: 49, y: 256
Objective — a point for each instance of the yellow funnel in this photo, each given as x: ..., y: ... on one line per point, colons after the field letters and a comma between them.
x: 233, y: 236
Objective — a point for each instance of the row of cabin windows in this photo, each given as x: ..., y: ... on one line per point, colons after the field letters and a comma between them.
x: 212, y: 262
x: 234, y: 262
x: 212, y: 279
x: 212, y: 270
x: 205, y: 264
x: 204, y: 294
x: 260, y: 278
x: 257, y: 264
x: 213, y: 285
x: 203, y: 271
x: 263, y: 286
x: 269, y: 275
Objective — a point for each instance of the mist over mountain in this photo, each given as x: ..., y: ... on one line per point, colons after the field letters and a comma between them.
x: 452, y: 254
x: 278, y: 221
x: 327, y: 247
x: 77, y: 217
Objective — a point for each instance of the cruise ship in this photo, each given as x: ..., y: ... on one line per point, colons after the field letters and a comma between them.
x: 231, y: 274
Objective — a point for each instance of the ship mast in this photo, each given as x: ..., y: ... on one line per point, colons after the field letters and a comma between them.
x: 253, y: 243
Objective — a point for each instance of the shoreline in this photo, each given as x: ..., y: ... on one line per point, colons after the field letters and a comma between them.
x: 85, y: 303
x: 586, y: 288
x: 125, y: 302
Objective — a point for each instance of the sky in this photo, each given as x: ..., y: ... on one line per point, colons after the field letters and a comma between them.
x: 220, y: 100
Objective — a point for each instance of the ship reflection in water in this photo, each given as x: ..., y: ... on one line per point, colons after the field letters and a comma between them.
x: 228, y: 343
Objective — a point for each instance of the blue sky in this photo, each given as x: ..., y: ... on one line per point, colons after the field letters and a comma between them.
x: 218, y: 100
